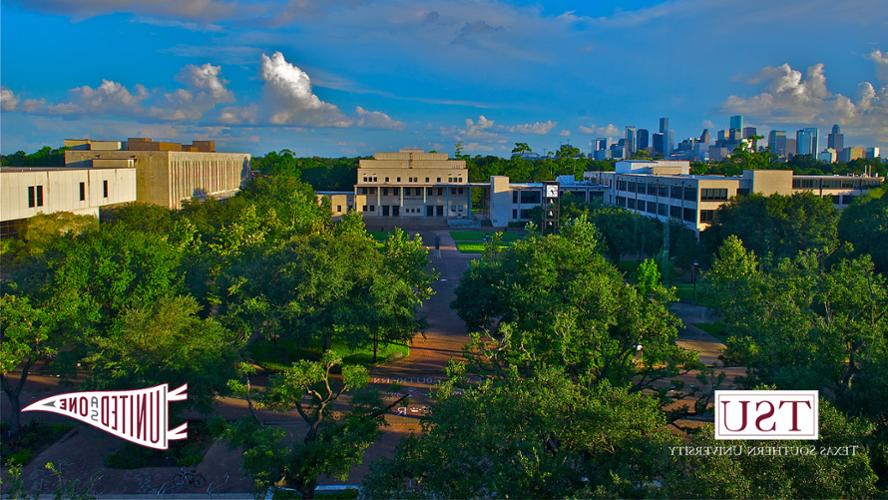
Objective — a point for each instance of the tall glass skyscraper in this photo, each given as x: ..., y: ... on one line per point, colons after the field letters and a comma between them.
x: 836, y: 139
x: 631, y: 140
x: 807, y: 141
x: 737, y: 122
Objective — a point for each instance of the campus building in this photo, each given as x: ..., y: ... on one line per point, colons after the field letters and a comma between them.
x: 167, y: 173
x: 668, y: 191
x: 28, y: 191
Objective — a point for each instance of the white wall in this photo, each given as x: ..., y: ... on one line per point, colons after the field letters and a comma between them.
x: 61, y: 190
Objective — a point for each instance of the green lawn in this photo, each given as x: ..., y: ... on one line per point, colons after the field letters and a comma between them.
x: 686, y: 292
x: 277, y: 355
x: 469, y: 241
x: 718, y: 329
x: 481, y: 236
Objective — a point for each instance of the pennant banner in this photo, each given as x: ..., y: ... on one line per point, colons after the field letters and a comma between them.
x: 140, y: 416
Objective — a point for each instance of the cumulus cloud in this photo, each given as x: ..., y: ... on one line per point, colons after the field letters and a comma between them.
x: 609, y: 130
x: 789, y: 97
x: 110, y: 97
x: 8, y: 100
x: 536, y: 128
x: 376, y: 119
x: 289, y: 99
x: 881, y: 60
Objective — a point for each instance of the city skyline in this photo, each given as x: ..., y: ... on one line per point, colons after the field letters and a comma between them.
x: 349, y: 79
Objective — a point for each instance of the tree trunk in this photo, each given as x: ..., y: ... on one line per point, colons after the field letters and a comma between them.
x: 15, y: 404
x: 308, y: 489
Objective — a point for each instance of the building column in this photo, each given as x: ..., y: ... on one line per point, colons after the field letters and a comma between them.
x: 469, y: 200
x: 379, y: 197
x: 424, y: 189
x: 401, y: 194
x: 447, y: 202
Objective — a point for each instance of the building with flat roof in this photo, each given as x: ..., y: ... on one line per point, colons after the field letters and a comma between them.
x: 413, y: 183
x: 28, y: 191
x: 667, y: 191
x: 167, y: 173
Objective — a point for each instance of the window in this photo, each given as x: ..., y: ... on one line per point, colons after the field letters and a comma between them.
x: 399, y: 179
x: 707, y: 215
x: 530, y: 196
x: 621, y: 201
x: 440, y: 191
x: 652, y: 189
x: 714, y: 194
x: 652, y: 207
x: 439, y: 179
x: 338, y: 208
x: 662, y: 209
x: 39, y: 196
x: 690, y: 215
x: 386, y: 179
x: 675, y: 192
x: 427, y: 179
x: 372, y: 208
x: 515, y: 197
x: 104, y: 189
x: 364, y: 209
x: 631, y: 203
x: 675, y: 212
x: 690, y: 194
x: 385, y: 191
x: 82, y: 191
x: 742, y: 191
x: 514, y: 213
x: 663, y: 191
x: 632, y: 187
x: 31, y: 200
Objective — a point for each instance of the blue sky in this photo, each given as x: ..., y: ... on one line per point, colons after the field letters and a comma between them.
x: 348, y: 77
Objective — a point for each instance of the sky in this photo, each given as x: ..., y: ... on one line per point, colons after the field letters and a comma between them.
x: 351, y: 77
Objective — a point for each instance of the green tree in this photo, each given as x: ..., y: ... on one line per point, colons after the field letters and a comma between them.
x: 331, y: 442
x: 544, y: 436
x: 556, y: 300
x: 865, y: 225
x: 520, y: 148
x: 776, y: 226
x: 164, y: 342
x: 24, y: 341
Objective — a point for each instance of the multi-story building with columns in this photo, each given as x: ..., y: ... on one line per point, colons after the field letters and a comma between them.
x: 412, y: 183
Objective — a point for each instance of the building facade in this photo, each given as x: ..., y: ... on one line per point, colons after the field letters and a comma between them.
x: 167, y: 173
x: 28, y: 191
x: 413, y: 183
x: 667, y: 191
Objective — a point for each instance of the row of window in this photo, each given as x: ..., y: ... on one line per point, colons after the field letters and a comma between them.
x: 35, y: 194
x: 409, y: 191
x: 373, y: 178
x: 529, y: 196
x: 662, y: 209
x: 857, y: 183
x: 523, y: 214
x: 661, y: 190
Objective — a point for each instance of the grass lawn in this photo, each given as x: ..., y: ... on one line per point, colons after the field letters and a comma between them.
x: 481, y: 236
x: 718, y: 329
x: 469, y: 241
x: 686, y: 292
x: 277, y: 355
x: 33, y: 439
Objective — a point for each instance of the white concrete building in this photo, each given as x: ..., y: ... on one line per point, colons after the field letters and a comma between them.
x: 28, y: 191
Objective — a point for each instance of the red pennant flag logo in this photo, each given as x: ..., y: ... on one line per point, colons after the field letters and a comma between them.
x: 140, y: 416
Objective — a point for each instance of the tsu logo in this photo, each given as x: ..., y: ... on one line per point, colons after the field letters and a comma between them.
x: 778, y: 415
x: 140, y: 416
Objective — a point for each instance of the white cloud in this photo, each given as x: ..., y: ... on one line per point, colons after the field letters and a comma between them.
x: 112, y: 98
x: 535, y: 128
x: 376, y: 119
x: 789, y: 97
x: 564, y: 133
x: 289, y: 100
x: 8, y: 100
x: 610, y: 130
x: 881, y: 60
x: 207, y: 79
